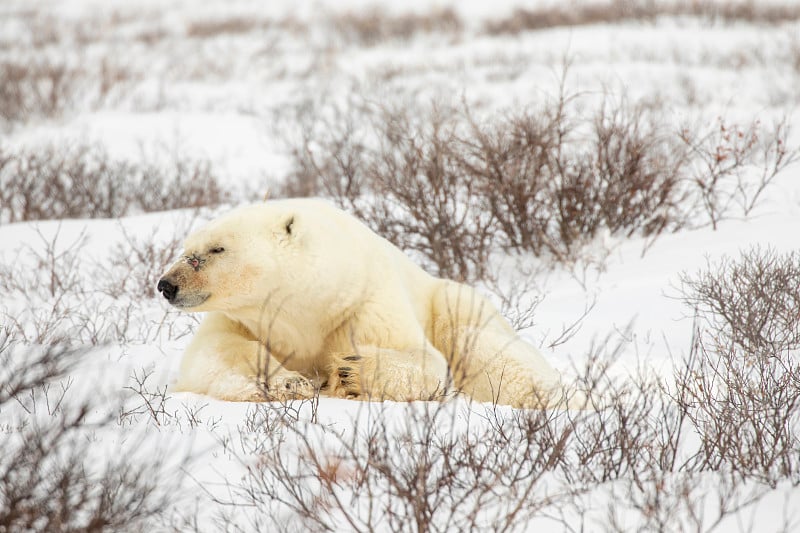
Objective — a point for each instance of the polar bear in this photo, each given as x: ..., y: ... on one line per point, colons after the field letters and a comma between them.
x: 300, y: 295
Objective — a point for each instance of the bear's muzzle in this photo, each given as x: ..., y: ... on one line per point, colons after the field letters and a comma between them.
x: 169, y: 290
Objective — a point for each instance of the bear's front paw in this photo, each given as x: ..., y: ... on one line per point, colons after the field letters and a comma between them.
x: 287, y: 386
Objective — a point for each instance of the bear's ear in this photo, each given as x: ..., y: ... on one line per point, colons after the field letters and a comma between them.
x: 285, y: 228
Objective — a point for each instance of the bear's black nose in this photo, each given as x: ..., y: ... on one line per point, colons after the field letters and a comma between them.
x: 167, y: 289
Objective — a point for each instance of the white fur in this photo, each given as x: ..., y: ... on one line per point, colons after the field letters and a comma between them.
x: 304, y: 294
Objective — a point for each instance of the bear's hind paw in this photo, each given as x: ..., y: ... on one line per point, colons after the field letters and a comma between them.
x: 345, y: 377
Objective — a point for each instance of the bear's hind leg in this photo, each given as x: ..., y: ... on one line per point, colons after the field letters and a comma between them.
x: 487, y: 359
x: 372, y: 373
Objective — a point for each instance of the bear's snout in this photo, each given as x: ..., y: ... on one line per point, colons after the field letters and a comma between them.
x: 169, y: 290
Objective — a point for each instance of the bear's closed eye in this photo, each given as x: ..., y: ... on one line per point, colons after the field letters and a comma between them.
x: 217, y: 250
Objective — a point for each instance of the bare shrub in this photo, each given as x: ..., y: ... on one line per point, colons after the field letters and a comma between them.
x: 20, y: 375
x: 512, y: 163
x: 774, y: 13
x: 406, y: 475
x: 643, y: 449
x: 548, y: 17
x: 741, y: 383
x: 551, y: 192
x: 674, y: 502
x: 746, y: 413
x: 639, y: 172
x: 49, y: 290
x: 55, y: 291
x: 623, y: 426
x: 50, y: 487
x: 425, y: 205
x: 36, y: 88
x: 151, y: 402
x: 51, y: 478
x: 327, y: 155
x: 752, y: 301
x: 733, y: 165
x: 408, y: 188
x: 628, y: 463
x: 85, y: 182
x: 56, y: 267
x: 98, y: 320
x: 204, y: 29
x: 113, y: 80
x: 184, y: 183
x: 437, y: 181
x: 38, y: 85
x: 372, y: 27
x: 620, y: 11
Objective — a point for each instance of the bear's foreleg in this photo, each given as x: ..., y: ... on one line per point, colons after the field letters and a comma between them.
x: 225, y: 362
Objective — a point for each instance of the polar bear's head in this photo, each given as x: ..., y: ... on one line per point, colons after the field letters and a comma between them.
x: 262, y: 251
x: 233, y: 259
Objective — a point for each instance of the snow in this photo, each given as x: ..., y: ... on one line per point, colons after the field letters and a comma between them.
x: 231, y: 99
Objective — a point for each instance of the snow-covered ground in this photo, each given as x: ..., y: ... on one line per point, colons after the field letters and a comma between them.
x: 224, y: 81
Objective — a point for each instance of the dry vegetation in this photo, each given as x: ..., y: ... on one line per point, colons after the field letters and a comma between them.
x: 38, y: 88
x: 69, y: 295
x: 374, y: 26
x: 616, y: 11
x: 454, y: 189
x: 51, y: 476
x: 39, y: 85
x: 742, y: 380
x: 85, y: 182
x: 368, y: 27
x: 204, y: 29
